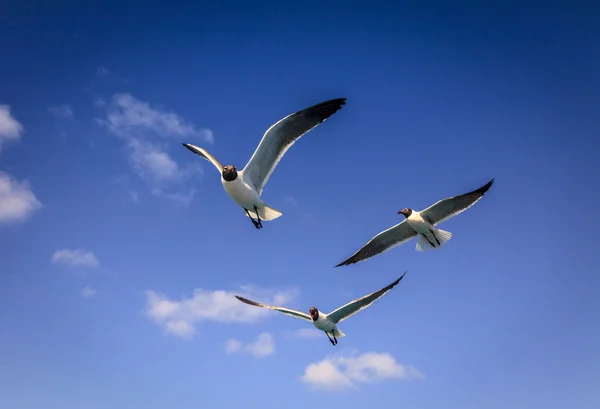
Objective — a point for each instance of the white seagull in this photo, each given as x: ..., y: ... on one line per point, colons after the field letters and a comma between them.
x: 328, y: 322
x: 245, y: 187
x: 419, y: 223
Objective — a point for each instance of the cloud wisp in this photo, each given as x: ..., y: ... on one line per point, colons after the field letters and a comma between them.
x: 10, y: 128
x: 144, y: 128
x: 87, y: 292
x: 347, y: 371
x: 63, y: 111
x: 180, y: 317
x: 263, y: 346
x: 76, y: 258
x: 17, y: 200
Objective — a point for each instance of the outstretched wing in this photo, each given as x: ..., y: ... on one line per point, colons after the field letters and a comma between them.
x: 286, y: 311
x: 451, y: 206
x: 202, y: 152
x: 281, y: 136
x: 384, y: 241
x: 355, y: 306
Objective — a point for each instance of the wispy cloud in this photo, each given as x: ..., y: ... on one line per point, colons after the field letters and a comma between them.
x: 76, y: 258
x: 127, y: 114
x: 263, y: 346
x: 311, y: 333
x: 179, y: 317
x: 62, y: 111
x: 143, y: 128
x: 134, y: 196
x: 17, y: 200
x: 102, y: 71
x: 346, y: 371
x: 290, y: 200
x: 10, y: 128
x: 87, y: 292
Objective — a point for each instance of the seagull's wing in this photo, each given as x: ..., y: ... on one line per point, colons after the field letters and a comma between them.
x: 286, y: 311
x: 202, y: 152
x: 451, y: 206
x: 355, y: 306
x: 384, y: 241
x: 281, y: 136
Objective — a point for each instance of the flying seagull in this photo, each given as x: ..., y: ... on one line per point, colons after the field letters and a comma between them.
x: 328, y: 322
x: 419, y: 223
x: 245, y: 186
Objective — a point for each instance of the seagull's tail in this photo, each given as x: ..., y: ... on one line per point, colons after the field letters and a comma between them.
x: 266, y: 213
x: 430, y: 242
x: 339, y: 334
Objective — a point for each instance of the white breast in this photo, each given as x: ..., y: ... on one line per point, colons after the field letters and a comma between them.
x: 323, y: 324
x: 241, y: 193
x: 417, y: 223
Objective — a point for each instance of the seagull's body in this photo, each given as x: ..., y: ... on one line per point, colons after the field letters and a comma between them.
x: 421, y: 224
x: 328, y: 322
x: 245, y: 187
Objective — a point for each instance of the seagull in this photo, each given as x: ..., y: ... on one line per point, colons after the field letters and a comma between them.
x: 328, y: 322
x: 419, y: 223
x: 245, y: 186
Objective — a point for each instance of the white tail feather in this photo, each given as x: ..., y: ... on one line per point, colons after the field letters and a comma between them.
x: 442, y: 235
x: 339, y: 334
x: 266, y: 212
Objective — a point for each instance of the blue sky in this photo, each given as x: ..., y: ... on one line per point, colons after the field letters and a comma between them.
x: 120, y: 252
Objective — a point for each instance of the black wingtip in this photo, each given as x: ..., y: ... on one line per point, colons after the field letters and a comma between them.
x: 483, y: 189
x: 402, y: 276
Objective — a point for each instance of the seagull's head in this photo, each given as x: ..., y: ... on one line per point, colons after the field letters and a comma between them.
x: 406, y: 212
x: 314, y: 313
x: 229, y: 173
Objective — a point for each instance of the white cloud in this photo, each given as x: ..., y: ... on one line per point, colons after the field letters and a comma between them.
x: 128, y: 114
x: 263, y: 346
x: 232, y: 346
x: 183, y: 199
x: 62, y: 111
x: 88, y: 292
x: 308, y: 333
x: 336, y: 373
x: 152, y: 163
x: 75, y: 258
x: 17, y: 201
x: 143, y: 129
x: 102, y: 71
x: 178, y: 317
x: 10, y: 128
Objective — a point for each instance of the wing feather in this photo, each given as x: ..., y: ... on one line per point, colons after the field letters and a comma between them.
x: 359, y: 304
x: 203, y: 153
x: 451, y: 206
x: 281, y: 136
x: 382, y: 242
x: 286, y: 311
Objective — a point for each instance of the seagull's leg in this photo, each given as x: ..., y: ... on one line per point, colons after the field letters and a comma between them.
x: 257, y: 216
x: 330, y: 340
x: 427, y: 238
x: 334, y: 338
x: 251, y: 219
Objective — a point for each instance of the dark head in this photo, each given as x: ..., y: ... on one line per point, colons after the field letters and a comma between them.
x: 314, y: 313
x: 406, y: 212
x: 229, y: 173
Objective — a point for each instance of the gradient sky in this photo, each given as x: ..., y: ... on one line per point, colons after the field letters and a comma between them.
x: 120, y: 252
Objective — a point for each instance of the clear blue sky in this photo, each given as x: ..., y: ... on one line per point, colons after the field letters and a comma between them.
x: 120, y: 251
